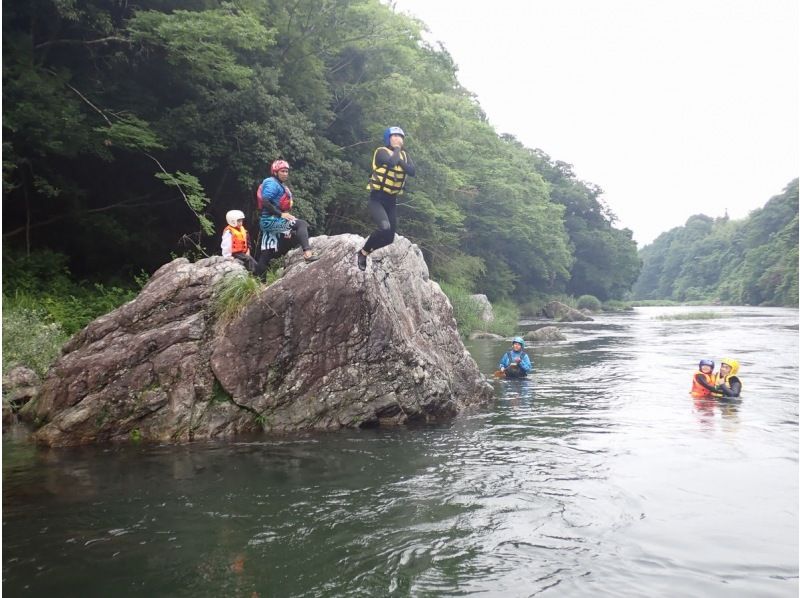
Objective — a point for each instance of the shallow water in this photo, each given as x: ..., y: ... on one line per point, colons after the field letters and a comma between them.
x: 598, y: 475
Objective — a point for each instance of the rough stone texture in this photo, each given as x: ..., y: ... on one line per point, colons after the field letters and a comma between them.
x: 487, y: 313
x: 20, y: 385
x: 326, y: 346
x: 564, y: 313
x: 544, y: 334
x: 488, y: 335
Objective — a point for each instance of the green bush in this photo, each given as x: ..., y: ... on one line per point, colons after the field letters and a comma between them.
x: 42, y: 281
x: 465, y: 310
x: 589, y: 302
x: 616, y: 305
x: 30, y: 338
x: 506, y: 319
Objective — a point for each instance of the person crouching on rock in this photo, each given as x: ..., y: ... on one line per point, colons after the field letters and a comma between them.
x: 516, y: 363
x: 390, y: 166
x: 235, y: 240
x: 276, y: 218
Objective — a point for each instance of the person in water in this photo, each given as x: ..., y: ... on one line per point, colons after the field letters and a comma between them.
x: 728, y: 382
x: 236, y: 241
x: 391, y: 164
x: 516, y: 363
x: 277, y: 220
x: 704, y: 381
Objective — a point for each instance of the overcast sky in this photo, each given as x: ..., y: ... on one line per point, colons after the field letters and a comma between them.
x: 672, y: 107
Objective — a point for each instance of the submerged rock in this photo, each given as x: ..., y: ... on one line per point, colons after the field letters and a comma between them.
x: 327, y: 346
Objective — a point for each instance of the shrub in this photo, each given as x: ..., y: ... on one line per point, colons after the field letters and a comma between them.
x: 589, y: 302
x: 506, y: 319
x: 30, y: 339
x: 465, y: 310
x: 616, y: 305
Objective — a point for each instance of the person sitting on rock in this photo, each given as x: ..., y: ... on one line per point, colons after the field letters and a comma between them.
x: 277, y: 220
x: 704, y: 380
x: 729, y: 384
x: 236, y: 241
x: 516, y: 363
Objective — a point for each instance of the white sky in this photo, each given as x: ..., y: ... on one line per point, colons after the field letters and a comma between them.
x: 672, y: 107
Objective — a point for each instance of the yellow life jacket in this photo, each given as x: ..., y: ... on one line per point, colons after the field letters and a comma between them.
x: 387, y: 179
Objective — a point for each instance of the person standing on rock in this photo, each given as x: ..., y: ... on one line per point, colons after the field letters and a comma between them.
x: 276, y: 219
x: 236, y: 241
x: 391, y: 164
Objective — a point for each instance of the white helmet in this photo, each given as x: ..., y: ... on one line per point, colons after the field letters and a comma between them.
x: 233, y: 216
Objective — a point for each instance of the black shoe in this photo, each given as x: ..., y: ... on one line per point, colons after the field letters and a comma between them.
x: 362, y: 261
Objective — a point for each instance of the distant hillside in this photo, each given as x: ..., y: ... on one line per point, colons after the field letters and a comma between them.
x: 753, y: 261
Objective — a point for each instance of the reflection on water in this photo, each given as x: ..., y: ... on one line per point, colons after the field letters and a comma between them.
x: 599, y: 474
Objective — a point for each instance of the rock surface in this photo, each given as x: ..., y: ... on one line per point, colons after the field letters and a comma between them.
x: 485, y: 307
x: 564, y: 313
x: 326, y: 346
x: 20, y: 385
x: 544, y: 334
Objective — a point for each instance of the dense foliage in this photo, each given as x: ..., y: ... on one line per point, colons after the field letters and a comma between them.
x: 129, y: 129
x: 752, y: 261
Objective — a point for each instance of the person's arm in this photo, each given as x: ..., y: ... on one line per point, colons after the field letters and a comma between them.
x: 408, y: 165
x: 701, y: 380
x: 732, y: 389
x: 227, y: 243
x: 503, y: 361
x: 271, y: 191
x: 525, y: 364
x: 387, y: 157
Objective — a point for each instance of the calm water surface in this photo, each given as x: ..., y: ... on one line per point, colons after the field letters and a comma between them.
x: 600, y: 475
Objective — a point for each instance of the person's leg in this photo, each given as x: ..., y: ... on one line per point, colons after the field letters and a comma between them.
x: 380, y: 209
x: 301, y: 233
x: 247, y: 261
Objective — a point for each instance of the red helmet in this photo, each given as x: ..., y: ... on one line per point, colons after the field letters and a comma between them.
x: 278, y: 165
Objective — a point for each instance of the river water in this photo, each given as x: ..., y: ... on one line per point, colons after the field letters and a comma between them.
x: 600, y: 475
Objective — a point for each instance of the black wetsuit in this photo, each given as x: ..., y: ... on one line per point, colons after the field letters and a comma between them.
x: 383, y: 206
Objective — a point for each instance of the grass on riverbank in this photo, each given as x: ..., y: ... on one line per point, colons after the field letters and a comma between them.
x: 694, y: 315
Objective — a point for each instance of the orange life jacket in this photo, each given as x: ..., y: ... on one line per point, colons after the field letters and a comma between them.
x: 697, y: 389
x: 238, y: 238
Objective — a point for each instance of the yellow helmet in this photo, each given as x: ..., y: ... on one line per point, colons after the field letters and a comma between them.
x: 731, y: 363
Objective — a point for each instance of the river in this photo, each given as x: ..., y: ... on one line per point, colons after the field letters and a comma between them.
x: 599, y: 475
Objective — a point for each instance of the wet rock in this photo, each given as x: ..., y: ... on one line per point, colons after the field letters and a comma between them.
x: 327, y: 346
x: 487, y: 335
x: 20, y: 385
x: 564, y: 313
x: 544, y: 334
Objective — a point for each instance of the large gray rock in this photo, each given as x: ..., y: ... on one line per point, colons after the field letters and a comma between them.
x: 544, y: 334
x: 564, y: 313
x: 327, y: 346
x: 485, y: 307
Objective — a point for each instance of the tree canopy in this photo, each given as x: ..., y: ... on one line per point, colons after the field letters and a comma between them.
x: 129, y: 130
x: 751, y: 261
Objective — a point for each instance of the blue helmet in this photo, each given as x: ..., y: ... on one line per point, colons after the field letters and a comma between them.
x: 518, y: 339
x: 392, y: 131
x: 706, y: 362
